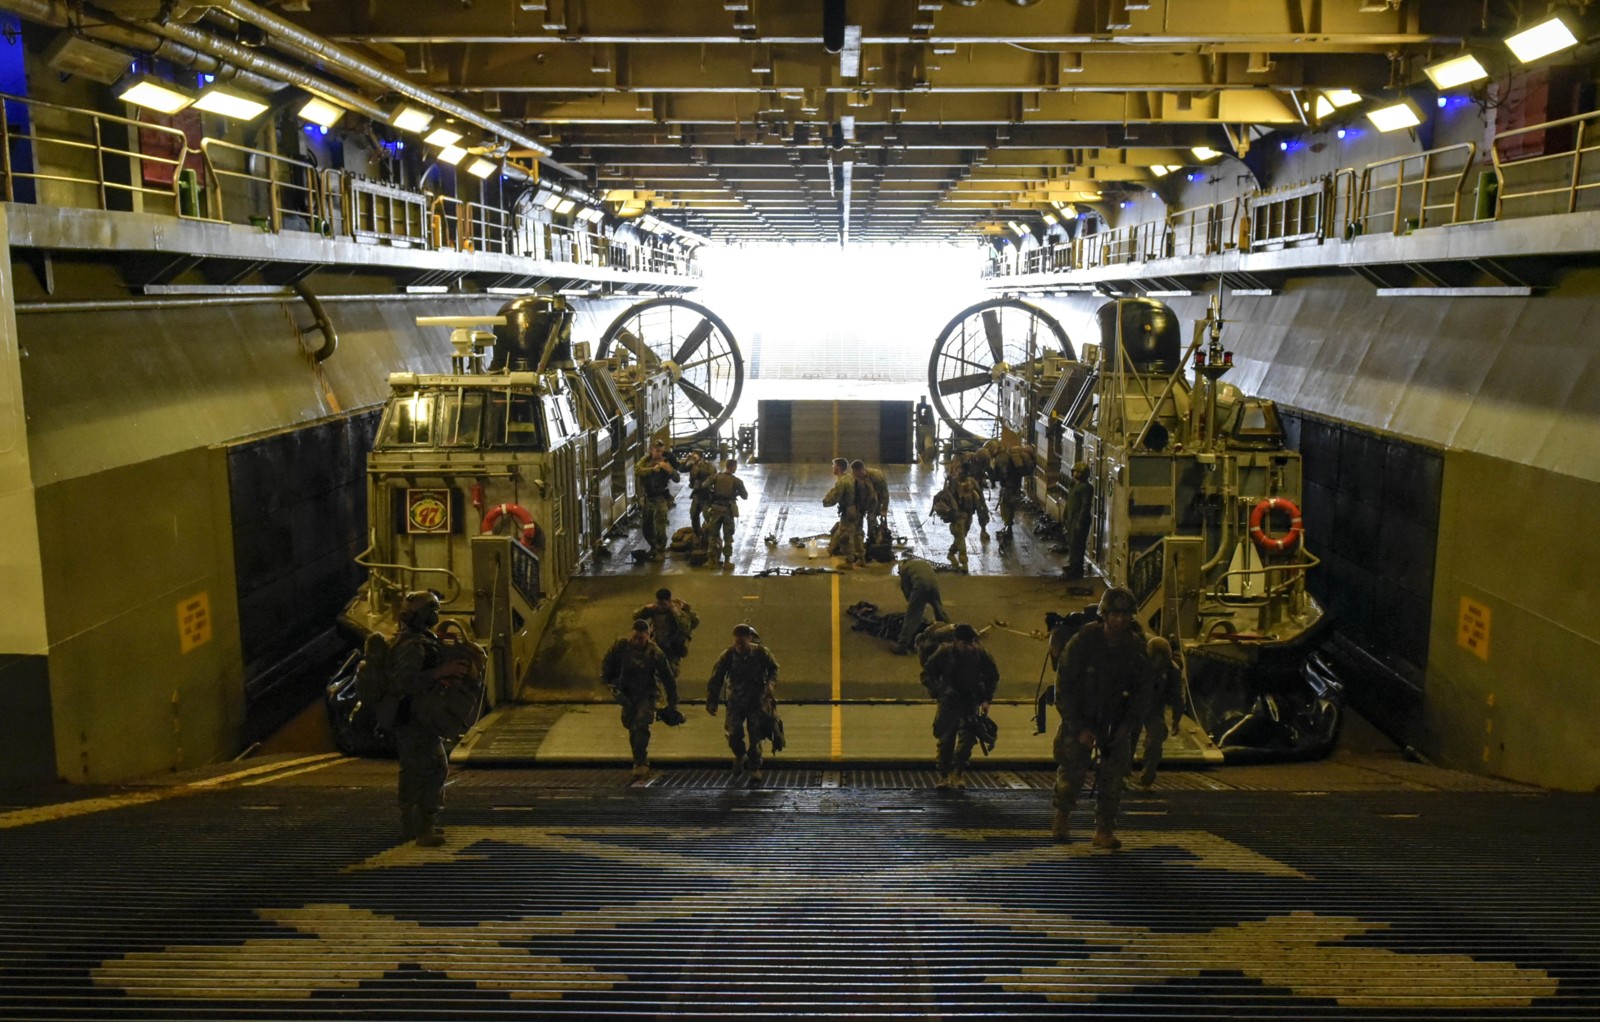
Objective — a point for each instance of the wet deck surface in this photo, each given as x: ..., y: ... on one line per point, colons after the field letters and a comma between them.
x: 1364, y: 887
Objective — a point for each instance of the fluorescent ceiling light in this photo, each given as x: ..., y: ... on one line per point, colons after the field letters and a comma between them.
x: 1049, y: 218
x: 1016, y: 227
x: 442, y: 137
x: 410, y: 118
x: 480, y: 168
x: 1205, y: 152
x: 1543, y: 39
x: 1462, y: 70
x: 1160, y: 170
x: 153, y: 94
x: 321, y: 112
x: 229, y: 103
x: 564, y: 207
x: 452, y: 154
x: 590, y: 215
x: 551, y: 200
x: 1341, y: 98
x: 1403, y: 114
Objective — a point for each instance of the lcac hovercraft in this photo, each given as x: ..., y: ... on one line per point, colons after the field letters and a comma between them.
x: 1195, y: 503
x: 493, y: 484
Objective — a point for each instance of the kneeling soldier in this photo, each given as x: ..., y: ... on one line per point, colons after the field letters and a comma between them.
x: 742, y: 680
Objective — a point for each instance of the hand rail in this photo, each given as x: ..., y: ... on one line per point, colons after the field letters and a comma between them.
x: 1422, y: 184
x: 1572, y: 182
x: 293, y: 187
x: 94, y: 142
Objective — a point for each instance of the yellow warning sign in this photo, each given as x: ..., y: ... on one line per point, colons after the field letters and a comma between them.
x: 194, y: 622
x: 1472, y: 634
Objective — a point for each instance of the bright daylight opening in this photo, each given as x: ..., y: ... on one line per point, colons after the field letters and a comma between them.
x: 852, y: 319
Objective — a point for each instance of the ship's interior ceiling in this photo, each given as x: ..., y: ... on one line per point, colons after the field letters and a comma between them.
x: 835, y: 120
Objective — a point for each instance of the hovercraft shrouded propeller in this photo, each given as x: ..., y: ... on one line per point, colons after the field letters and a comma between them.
x: 695, y: 347
x: 976, y: 349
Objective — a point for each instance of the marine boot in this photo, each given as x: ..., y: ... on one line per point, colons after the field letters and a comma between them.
x: 641, y: 770
x: 753, y: 764
x: 427, y: 835
x: 1061, y: 828
x: 958, y: 778
x: 408, y: 823
x: 1107, y: 840
x: 943, y: 782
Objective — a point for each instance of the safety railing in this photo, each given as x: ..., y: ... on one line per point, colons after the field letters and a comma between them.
x: 1288, y: 216
x: 263, y: 188
x: 1535, y: 180
x: 1422, y: 190
x: 471, y: 226
x: 94, y: 160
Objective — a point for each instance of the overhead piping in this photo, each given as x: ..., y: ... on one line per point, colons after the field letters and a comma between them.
x: 330, y: 337
x: 317, y: 48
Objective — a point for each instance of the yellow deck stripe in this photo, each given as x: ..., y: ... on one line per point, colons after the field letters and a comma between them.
x: 836, y: 739
x: 82, y: 807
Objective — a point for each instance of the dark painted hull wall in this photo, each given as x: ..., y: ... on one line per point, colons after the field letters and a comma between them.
x: 1501, y: 398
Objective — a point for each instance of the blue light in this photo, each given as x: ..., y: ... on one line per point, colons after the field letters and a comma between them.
x: 1443, y: 102
x: 1126, y: 204
x: 310, y: 128
x: 1283, y: 147
x: 1193, y: 176
x: 208, y: 79
x: 322, y: 129
x: 399, y: 145
x: 1341, y: 133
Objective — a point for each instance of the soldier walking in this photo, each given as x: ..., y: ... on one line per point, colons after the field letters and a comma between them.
x: 743, y: 680
x: 963, y: 677
x: 850, y: 543
x: 1080, y: 495
x: 968, y: 501
x: 413, y: 656
x: 1165, y: 695
x: 641, y: 681
x: 723, y: 493
x: 919, y: 584
x: 1100, y: 688
x: 655, y: 476
x: 1014, y: 466
x: 672, y: 623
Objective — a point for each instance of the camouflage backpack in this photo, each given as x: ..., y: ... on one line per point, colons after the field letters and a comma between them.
x: 375, y: 687
x: 451, y: 704
x: 944, y: 506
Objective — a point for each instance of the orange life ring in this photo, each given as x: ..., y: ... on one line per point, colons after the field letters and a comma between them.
x: 1264, y: 540
x: 529, y: 528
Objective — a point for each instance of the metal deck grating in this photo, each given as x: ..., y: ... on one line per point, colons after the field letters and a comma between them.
x: 580, y: 896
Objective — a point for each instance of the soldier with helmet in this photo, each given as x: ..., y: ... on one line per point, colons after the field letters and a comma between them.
x: 1013, y: 466
x: 742, y: 680
x: 640, y: 680
x: 849, y: 541
x: 1080, y: 496
x: 963, y: 677
x: 700, y: 473
x: 723, y: 492
x: 1101, y: 688
x: 655, y: 475
x: 412, y: 658
x: 1165, y: 694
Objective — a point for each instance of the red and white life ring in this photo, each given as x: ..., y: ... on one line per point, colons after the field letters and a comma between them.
x: 528, y: 531
x: 1265, y: 541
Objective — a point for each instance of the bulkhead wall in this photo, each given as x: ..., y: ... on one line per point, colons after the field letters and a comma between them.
x: 1507, y: 392
x: 191, y: 452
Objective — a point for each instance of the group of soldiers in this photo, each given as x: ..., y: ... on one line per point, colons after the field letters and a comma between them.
x: 714, y: 497
x: 641, y: 669
x: 861, y: 496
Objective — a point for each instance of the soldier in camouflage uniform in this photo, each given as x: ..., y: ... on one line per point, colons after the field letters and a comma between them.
x: 1013, y: 466
x: 655, y: 476
x: 1080, y: 496
x: 851, y: 544
x: 920, y: 586
x: 700, y: 473
x: 874, y: 481
x: 968, y: 502
x: 672, y: 623
x: 723, y: 493
x: 641, y: 681
x: 963, y: 677
x: 742, y: 680
x: 413, y: 656
x: 1165, y: 695
x: 1101, y: 687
